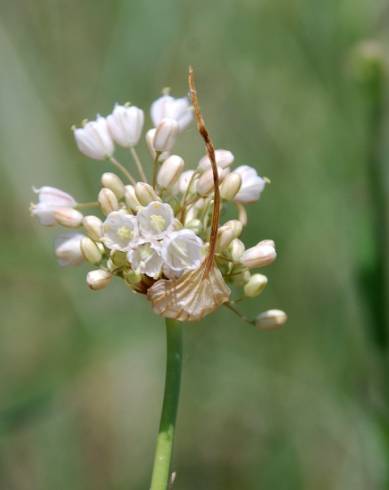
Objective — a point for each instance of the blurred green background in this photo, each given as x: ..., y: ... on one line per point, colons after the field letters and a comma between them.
x: 81, y: 373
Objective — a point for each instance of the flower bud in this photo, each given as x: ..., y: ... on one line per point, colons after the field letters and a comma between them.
x: 230, y: 186
x: 130, y: 198
x: 262, y: 254
x: 145, y: 193
x: 252, y: 185
x: 194, y: 225
x: 185, y: 179
x: 125, y: 125
x: 228, y: 232
x: 69, y: 217
x: 107, y: 200
x: 98, y: 279
x: 113, y: 182
x: 90, y: 251
x: 170, y: 171
x: 205, y: 183
x: 255, y: 285
x: 223, y: 158
x: 68, y: 250
x: 150, y: 145
x: 165, y: 135
x: 133, y: 277
x: 93, y: 227
x: 94, y: 139
x: 236, y: 249
x: 177, y: 109
x: 270, y: 319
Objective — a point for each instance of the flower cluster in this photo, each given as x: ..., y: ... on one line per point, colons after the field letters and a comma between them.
x: 162, y: 236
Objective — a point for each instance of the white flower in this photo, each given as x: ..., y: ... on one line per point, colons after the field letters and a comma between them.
x: 125, y: 125
x: 94, y: 139
x: 155, y: 220
x: 182, y: 251
x: 252, y: 185
x: 223, y: 158
x: 68, y: 249
x: 146, y: 259
x: 178, y: 109
x: 50, y: 199
x: 120, y: 231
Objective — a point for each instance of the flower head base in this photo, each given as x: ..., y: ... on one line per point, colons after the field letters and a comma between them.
x: 163, y: 238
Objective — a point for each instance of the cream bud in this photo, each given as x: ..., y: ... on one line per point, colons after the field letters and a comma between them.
x: 185, y: 179
x: 113, y: 182
x: 236, y: 249
x: 107, y: 200
x: 69, y: 217
x: 252, y: 185
x: 205, y: 183
x: 132, y: 201
x: 255, y: 285
x: 68, y: 250
x: 228, y: 232
x: 90, y: 250
x: 168, y: 107
x: 145, y: 193
x: 125, y: 125
x: 230, y: 186
x: 271, y: 319
x: 98, y: 279
x: 223, y: 158
x: 264, y: 253
x: 94, y: 139
x: 165, y: 135
x: 170, y: 171
x: 93, y: 227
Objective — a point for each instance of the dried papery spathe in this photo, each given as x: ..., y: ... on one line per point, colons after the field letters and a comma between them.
x: 200, y: 292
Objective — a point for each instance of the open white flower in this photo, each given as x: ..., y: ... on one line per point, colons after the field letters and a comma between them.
x: 178, y: 109
x: 252, y: 185
x: 155, y: 220
x: 120, y: 231
x: 181, y: 251
x: 125, y: 125
x: 94, y: 139
x: 68, y: 249
x: 146, y: 259
x: 50, y: 199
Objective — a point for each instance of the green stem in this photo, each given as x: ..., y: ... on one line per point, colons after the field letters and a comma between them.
x: 164, y: 449
x: 155, y: 168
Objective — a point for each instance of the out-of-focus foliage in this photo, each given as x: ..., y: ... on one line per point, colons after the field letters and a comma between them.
x: 81, y: 372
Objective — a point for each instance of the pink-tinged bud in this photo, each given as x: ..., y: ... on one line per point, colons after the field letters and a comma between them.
x: 252, y: 185
x: 94, y: 139
x: 68, y: 249
x: 170, y: 171
x: 98, y: 279
x: 125, y: 125
x: 108, y: 201
x: 255, y: 285
x: 132, y: 201
x: 91, y: 251
x: 69, y: 217
x: 93, y: 227
x: 259, y: 256
x: 230, y: 186
x: 205, y: 183
x: 113, y: 182
x: 165, y: 135
x: 270, y: 319
x: 55, y: 197
x: 223, y: 158
x: 145, y: 193
x: 228, y: 232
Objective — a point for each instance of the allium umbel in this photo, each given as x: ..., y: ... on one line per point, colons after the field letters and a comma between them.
x: 161, y: 234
